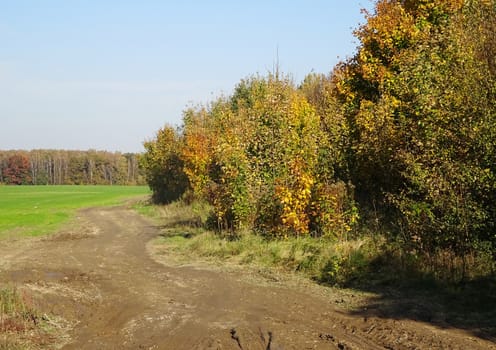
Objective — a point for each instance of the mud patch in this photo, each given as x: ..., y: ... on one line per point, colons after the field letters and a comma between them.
x: 77, y: 230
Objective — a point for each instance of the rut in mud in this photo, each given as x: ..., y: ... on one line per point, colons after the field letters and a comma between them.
x: 100, y: 277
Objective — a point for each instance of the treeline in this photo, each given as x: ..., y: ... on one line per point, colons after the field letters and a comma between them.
x: 399, y: 138
x: 61, y: 167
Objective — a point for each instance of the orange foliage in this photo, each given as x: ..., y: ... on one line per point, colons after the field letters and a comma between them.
x: 199, y: 145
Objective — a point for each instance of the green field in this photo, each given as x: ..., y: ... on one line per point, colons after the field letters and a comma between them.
x: 37, y: 210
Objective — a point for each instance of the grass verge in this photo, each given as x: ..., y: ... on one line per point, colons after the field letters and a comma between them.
x: 368, y: 258
x: 322, y: 259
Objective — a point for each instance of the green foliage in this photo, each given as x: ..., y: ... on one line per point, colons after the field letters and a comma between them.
x: 282, y: 151
x: 333, y: 210
x: 230, y: 170
x: 164, y: 167
x: 453, y: 111
x: 419, y: 100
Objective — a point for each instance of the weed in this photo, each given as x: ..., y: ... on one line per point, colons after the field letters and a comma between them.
x: 17, y: 317
x: 23, y: 325
x: 16, y: 313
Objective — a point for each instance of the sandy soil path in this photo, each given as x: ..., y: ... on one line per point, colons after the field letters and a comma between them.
x: 100, y: 277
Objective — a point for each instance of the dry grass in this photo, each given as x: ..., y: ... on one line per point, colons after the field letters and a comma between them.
x: 16, y: 311
x: 17, y: 318
x: 22, y: 325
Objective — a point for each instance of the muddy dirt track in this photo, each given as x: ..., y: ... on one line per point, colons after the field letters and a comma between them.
x: 100, y: 277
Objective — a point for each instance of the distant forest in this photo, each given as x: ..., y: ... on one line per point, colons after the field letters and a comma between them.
x: 62, y: 167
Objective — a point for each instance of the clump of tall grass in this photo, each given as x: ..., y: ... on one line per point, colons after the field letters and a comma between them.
x: 17, y: 313
x: 24, y: 326
x: 18, y: 318
x: 177, y: 215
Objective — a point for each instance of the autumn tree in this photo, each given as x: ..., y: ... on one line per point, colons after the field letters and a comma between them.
x: 199, y: 141
x: 254, y: 156
x: 283, y: 152
x: 164, y: 167
x: 266, y: 156
x: 418, y: 98
x: 62, y: 167
x: 333, y: 208
x: 18, y: 171
x: 447, y: 95
x: 229, y: 170
x: 405, y: 128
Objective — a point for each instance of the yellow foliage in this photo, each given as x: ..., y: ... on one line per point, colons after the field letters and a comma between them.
x: 295, y: 198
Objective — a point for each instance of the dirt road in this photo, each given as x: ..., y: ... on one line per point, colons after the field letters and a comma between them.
x: 100, y: 277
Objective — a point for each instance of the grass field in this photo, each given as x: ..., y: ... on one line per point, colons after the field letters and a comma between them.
x: 37, y: 210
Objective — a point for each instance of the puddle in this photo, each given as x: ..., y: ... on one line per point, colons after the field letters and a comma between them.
x: 54, y: 275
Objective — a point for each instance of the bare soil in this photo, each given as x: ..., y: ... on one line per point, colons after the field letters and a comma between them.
x: 116, y: 290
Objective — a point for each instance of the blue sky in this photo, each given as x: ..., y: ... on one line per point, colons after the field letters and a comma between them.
x: 107, y: 74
